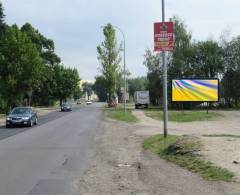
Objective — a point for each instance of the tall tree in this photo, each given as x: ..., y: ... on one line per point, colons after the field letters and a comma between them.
x: 2, y: 19
x: 44, y: 95
x: 154, y: 75
x: 20, y: 65
x: 108, y: 56
x: 99, y: 88
x: 230, y: 81
x: 136, y: 84
x: 208, y: 59
x: 67, y: 80
x: 179, y: 63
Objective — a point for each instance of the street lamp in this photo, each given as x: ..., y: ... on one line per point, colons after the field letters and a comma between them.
x: 124, y: 66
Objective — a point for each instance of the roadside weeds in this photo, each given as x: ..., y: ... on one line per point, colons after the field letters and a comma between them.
x: 184, y: 151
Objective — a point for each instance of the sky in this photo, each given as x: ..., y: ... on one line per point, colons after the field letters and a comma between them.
x: 75, y: 25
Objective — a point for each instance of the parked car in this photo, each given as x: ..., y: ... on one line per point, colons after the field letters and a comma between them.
x: 22, y: 116
x: 79, y: 101
x: 66, y: 107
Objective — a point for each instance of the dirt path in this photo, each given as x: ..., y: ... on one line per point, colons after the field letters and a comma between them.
x: 223, y: 151
x: 228, y: 124
x: 122, y: 167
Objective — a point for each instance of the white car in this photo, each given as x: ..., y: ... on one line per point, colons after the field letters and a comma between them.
x: 89, y: 102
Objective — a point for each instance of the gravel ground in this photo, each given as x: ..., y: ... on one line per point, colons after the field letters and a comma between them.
x: 122, y: 167
x: 223, y: 151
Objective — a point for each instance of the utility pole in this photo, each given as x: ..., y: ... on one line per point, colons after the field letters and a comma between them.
x: 165, y: 102
x: 124, y: 67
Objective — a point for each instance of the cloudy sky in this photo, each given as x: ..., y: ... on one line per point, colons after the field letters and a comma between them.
x: 74, y: 25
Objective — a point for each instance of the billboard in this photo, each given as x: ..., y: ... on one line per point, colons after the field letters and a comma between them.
x: 163, y: 36
x: 195, y: 90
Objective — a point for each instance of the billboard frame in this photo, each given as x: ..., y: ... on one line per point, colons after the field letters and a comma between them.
x: 219, y: 88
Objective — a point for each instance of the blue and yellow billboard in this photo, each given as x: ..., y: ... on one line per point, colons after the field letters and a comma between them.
x: 195, y: 90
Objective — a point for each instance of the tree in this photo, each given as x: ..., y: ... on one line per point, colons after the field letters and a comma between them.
x: 99, y: 88
x: 179, y: 63
x: 108, y: 56
x: 136, y: 84
x: 2, y: 20
x: 77, y: 93
x: 154, y: 75
x: 87, y: 89
x: 231, y: 87
x: 67, y: 80
x: 230, y: 81
x: 208, y: 59
x: 44, y: 95
x: 20, y: 65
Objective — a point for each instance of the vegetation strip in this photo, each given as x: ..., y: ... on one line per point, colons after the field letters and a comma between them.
x: 183, y: 116
x: 119, y: 114
x: 183, y: 151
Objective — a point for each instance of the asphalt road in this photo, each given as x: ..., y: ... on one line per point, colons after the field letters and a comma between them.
x: 7, y: 132
x: 48, y: 158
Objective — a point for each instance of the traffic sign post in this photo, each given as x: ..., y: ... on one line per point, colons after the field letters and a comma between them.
x: 163, y: 36
x: 163, y: 41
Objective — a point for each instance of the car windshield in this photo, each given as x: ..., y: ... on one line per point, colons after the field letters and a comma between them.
x: 21, y: 111
x: 66, y: 104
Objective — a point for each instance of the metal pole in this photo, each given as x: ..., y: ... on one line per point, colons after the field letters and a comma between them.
x: 124, y: 67
x: 165, y: 103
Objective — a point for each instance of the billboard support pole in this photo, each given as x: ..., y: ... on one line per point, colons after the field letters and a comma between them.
x: 165, y: 102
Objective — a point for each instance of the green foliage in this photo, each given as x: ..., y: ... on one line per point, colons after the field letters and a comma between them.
x: 2, y: 20
x: 154, y: 84
x: 108, y: 56
x: 183, y: 116
x: 67, y: 80
x: 183, y: 151
x: 136, y: 84
x: 28, y: 62
x: 100, y: 88
x: 77, y: 93
x: 20, y: 65
x: 119, y: 114
x: 208, y: 59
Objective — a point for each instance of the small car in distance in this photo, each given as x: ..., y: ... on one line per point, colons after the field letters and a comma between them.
x: 66, y: 107
x: 89, y: 102
x: 22, y: 116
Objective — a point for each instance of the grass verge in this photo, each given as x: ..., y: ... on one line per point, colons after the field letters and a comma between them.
x: 183, y: 151
x: 183, y: 116
x: 221, y: 135
x: 119, y: 114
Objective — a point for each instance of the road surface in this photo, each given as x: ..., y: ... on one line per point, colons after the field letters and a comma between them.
x: 46, y: 159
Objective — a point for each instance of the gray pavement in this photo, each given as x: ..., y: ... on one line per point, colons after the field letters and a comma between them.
x: 5, y: 133
x: 46, y: 159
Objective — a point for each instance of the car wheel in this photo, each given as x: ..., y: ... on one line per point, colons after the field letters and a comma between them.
x: 36, y: 121
x: 8, y: 126
x: 30, y: 123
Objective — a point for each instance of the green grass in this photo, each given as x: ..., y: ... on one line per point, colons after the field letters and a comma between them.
x: 221, y: 135
x: 183, y: 116
x: 119, y: 114
x: 183, y: 151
